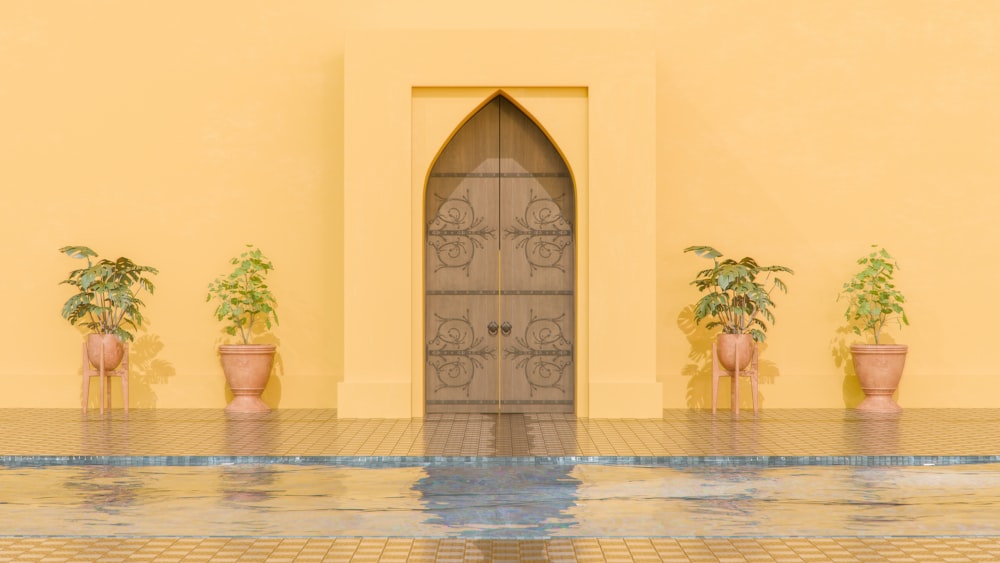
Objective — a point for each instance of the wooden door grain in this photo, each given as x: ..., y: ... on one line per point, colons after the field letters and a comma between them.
x: 500, y: 270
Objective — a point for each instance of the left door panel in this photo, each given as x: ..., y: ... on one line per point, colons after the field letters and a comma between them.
x: 461, y: 257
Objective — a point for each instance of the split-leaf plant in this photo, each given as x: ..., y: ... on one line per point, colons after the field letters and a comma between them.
x: 107, y: 298
x: 737, y: 293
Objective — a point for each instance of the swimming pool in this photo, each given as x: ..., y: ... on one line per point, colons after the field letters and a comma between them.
x: 517, y: 501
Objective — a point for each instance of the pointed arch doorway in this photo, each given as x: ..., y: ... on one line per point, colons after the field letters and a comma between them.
x: 499, y: 270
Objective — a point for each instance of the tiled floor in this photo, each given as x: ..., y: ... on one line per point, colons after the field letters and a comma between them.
x: 787, y: 432
x: 33, y: 436
x: 395, y: 550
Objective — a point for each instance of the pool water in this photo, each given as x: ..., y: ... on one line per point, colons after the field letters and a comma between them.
x: 536, y: 501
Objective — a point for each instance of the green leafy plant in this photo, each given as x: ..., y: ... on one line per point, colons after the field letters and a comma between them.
x: 244, y: 298
x: 737, y: 293
x: 107, y: 299
x: 872, y: 298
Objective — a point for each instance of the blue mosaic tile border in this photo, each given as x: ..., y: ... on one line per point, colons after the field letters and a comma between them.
x: 489, y: 461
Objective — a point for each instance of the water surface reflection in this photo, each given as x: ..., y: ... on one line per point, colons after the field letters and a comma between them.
x: 498, y: 502
x: 532, y: 501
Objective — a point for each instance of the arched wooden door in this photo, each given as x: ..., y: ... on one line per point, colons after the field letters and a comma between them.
x: 499, y: 270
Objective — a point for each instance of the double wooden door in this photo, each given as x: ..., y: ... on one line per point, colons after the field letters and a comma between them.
x: 499, y: 270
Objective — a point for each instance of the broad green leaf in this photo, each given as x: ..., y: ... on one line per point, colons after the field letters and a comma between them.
x: 704, y: 251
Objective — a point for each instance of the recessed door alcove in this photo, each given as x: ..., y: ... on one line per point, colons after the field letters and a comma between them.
x: 592, y: 92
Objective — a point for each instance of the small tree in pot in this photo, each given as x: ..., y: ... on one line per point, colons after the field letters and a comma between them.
x: 245, y: 302
x: 106, y: 302
x: 873, y: 301
x: 738, y: 297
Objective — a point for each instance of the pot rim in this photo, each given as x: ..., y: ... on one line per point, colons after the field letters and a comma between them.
x: 730, y: 335
x: 247, y: 348
x: 879, y: 348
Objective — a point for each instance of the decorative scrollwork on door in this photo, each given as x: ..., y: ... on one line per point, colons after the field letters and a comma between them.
x: 456, y: 232
x: 543, y: 232
x: 455, y: 353
x: 544, y: 354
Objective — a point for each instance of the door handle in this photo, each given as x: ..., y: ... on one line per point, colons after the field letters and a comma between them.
x: 492, y: 327
x: 505, y: 328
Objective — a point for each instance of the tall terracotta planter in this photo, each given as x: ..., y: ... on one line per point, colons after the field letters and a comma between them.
x: 247, y: 368
x: 729, y: 346
x: 109, y: 345
x: 879, y: 368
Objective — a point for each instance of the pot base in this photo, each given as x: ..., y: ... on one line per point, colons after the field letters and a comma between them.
x: 247, y: 403
x: 879, y: 403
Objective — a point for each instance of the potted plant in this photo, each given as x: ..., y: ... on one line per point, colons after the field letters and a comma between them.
x: 106, y: 302
x: 738, y: 298
x: 245, y: 302
x: 873, y: 302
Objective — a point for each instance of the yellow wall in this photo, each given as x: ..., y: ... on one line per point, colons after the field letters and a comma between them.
x: 172, y: 133
x: 796, y: 132
x: 802, y: 132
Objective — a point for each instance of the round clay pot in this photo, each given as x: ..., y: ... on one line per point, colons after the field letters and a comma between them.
x: 879, y: 367
x: 247, y: 368
x: 113, y: 350
x: 729, y: 345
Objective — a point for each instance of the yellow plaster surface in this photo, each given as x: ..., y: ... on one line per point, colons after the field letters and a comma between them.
x: 795, y: 132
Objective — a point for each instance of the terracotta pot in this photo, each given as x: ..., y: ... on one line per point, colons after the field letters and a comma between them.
x: 879, y: 367
x: 113, y: 350
x: 729, y: 345
x: 247, y: 368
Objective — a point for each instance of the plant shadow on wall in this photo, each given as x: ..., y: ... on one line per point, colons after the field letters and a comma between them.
x: 698, y: 370
x: 737, y: 298
x: 840, y: 349
x: 147, y: 369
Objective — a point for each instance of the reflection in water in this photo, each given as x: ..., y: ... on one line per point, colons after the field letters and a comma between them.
x: 662, y: 501
x: 107, y: 489
x: 729, y: 493
x: 247, y: 433
x: 873, y: 486
x: 513, y: 501
x: 244, y: 484
x: 533, y: 501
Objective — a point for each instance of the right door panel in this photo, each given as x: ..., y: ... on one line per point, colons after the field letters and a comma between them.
x: 537, y: 270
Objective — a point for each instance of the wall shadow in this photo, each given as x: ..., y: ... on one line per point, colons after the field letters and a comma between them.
x: 272, y: 393
x: 699, y: 368
x: 840, y: 349
x: 147, y: 369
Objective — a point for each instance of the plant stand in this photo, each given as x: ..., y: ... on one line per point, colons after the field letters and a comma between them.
x: 90, y: 370
x: 719, y: 371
